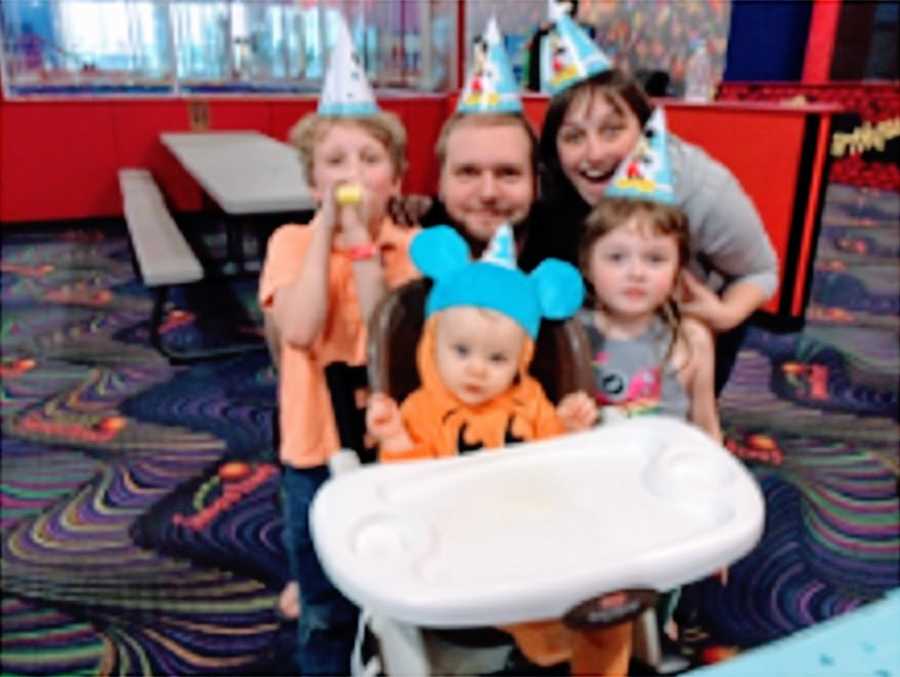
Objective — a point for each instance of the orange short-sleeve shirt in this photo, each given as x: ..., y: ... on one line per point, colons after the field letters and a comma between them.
x: 308, y: 432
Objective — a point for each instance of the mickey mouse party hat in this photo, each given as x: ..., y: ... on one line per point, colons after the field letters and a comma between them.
x: 491, y: 86
x: 646, y: 174
x: 569, y: 55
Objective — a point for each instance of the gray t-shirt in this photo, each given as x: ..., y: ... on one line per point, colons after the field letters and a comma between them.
x: 633, y: 377
x: 729, y: 242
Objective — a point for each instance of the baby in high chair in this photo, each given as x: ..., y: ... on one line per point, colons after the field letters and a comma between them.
x: 482, y: 318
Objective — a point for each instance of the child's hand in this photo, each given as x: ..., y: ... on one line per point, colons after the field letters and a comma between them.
x: 577, y: 411
x: 722, y: 575
x: 383, y: 418
x: 345, y: 208
x: 354, y: 205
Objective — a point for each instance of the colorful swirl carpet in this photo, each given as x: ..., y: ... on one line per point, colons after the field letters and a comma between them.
x: 128, y: 549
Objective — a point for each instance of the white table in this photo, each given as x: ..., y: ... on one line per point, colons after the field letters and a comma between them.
x: 244, y: 172
x: 250, y: 176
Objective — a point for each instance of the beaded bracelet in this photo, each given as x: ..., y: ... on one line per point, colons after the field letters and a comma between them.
x: 362, y: 252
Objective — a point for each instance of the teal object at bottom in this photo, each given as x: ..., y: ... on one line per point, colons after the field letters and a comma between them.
x: 860, y: 642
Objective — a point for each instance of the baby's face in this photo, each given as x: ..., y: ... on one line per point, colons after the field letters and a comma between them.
x: 477, y: 352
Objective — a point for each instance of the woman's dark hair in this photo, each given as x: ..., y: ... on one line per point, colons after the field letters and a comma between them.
x: 614, y: 85
x: 565, y: 204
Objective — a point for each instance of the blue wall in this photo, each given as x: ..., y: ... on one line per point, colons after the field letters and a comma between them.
x: 767, y: 40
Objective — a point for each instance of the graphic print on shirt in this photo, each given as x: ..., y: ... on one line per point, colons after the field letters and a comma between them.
x: 463, y: 446
x: 633, y: 394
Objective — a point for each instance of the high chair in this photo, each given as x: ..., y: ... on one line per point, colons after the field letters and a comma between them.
x: 561, y: 364
x: 379, y: 535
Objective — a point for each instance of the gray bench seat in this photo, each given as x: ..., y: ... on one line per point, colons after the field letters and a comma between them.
x: 162, y: 253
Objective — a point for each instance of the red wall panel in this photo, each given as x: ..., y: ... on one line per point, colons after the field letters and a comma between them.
x: 59, y: 161
x: 422, y: 117
x: 136, y: 127
x: 240, y: 115
x: 767, y: 169
x: 283, y: 115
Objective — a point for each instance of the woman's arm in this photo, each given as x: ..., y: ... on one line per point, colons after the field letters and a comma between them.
x: 727, y: 236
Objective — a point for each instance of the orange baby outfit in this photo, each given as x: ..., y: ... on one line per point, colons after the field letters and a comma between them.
x: 604, y: 651
x: 441, y: 425
x: 308, y: 432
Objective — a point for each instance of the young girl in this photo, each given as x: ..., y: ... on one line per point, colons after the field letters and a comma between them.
x: 318, y: 286
x: 647, y: 359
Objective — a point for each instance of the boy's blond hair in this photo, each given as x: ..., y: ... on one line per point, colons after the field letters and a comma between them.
x: 384, y: 126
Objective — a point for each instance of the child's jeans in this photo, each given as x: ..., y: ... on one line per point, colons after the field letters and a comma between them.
x: 326, y: 628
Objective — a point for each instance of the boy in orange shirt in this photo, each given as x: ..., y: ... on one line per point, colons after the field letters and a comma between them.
x: 318, y: 286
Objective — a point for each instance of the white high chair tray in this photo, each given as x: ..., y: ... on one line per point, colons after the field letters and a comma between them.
x: 530, y: 531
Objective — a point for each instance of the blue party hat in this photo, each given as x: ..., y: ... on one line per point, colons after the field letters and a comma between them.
x: 569, y: 55
x: 646, y: 174
x: 491, y: 86
x: 553, y: 290
x: 501, y: 250
x: 346, y: 92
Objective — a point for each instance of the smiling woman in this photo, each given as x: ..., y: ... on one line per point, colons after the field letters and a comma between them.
x: 594, y: 138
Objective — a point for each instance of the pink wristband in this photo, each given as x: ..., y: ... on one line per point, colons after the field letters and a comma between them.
x: 361, y: 252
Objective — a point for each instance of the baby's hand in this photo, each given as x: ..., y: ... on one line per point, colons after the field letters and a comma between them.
x: 577, y: 411
x: 383, y: 418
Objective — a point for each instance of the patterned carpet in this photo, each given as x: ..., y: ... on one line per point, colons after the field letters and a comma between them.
x: 125, y: 552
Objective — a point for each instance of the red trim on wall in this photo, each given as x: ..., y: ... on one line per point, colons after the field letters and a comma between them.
x: 461, y: 47
x: 823, y: 27
x: 59, y: 162
x: 60, y: 158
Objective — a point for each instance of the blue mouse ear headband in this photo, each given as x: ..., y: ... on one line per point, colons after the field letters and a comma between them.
x: 553, y: 290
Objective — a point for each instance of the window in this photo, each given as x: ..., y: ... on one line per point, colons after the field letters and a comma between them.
x: 226, y: 46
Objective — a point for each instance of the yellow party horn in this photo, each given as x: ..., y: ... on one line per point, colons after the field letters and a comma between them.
x: 348, y: 194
